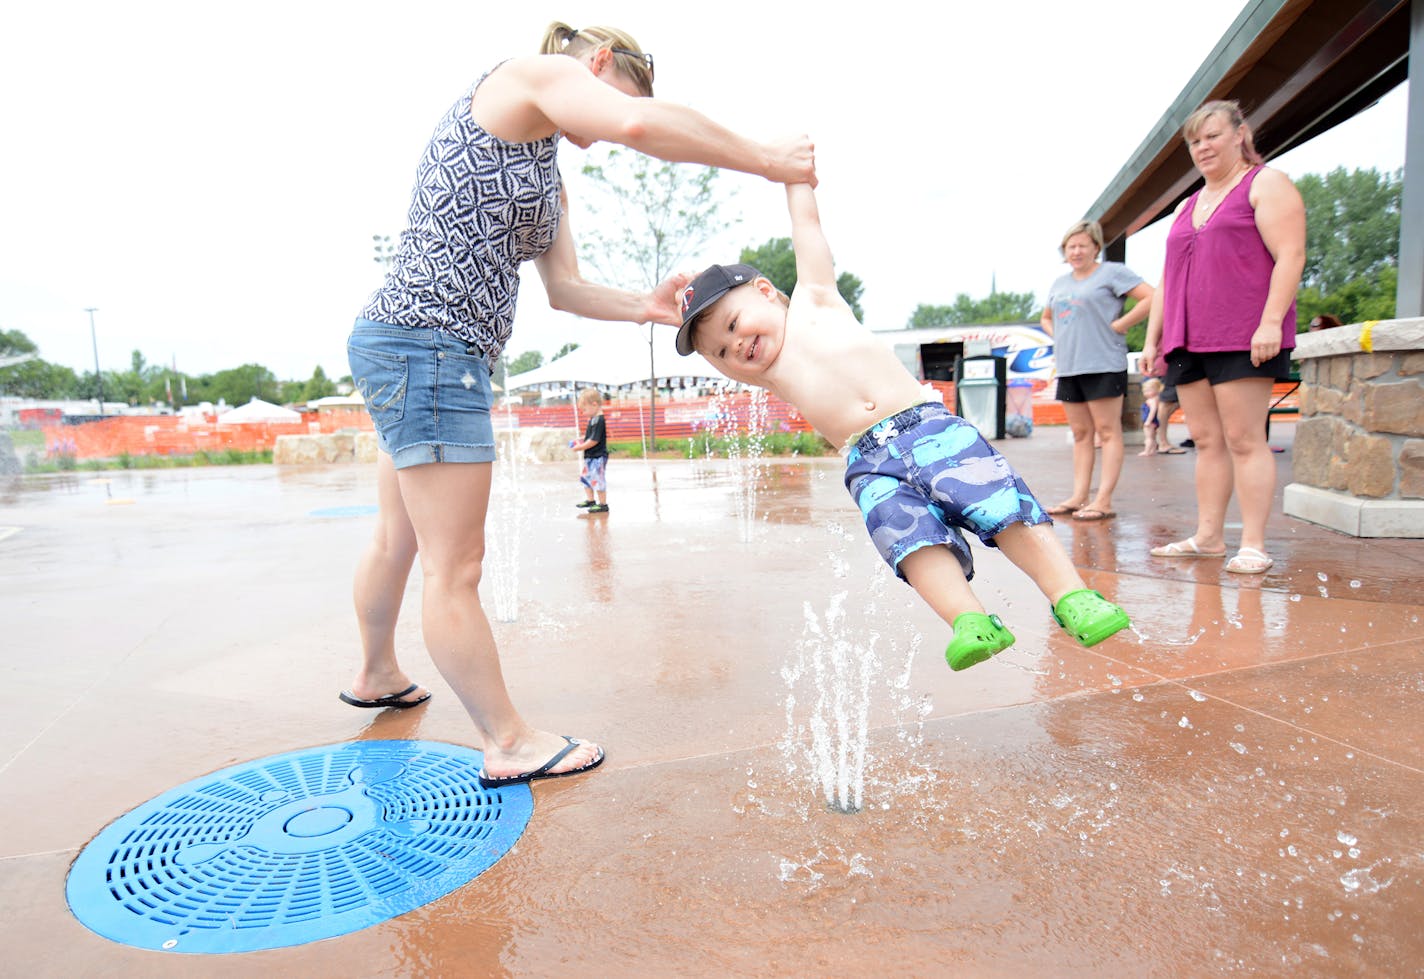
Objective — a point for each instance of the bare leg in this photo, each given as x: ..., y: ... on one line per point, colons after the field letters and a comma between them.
x: 936, y: 576
x: 1164, y: 420
x: 1037, y: 553
x: 379, y: 587
x: 1149, y: 440
x: 1106, y: 414
x: 447, y: 503
x: 1214, y: 479
x: 1245, y: 405
x: 1080, y: 422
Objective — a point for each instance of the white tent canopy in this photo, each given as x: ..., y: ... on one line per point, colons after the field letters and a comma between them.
x: 257, y: 411
x: 616, y: 354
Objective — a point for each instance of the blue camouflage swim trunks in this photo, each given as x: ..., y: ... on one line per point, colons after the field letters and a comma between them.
x: 594, y: 474
x: 923, y: 475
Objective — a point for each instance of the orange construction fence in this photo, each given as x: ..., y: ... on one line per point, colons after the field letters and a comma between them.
x: 107, y: 438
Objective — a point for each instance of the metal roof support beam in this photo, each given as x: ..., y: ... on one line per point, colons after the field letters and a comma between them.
x: 1409, y: 299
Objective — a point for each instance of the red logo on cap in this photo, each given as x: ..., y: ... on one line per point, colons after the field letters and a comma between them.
x: 686, y: 300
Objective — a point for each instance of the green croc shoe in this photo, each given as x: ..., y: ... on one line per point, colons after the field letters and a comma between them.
x: 976, y: 637
x: 1090, y: 617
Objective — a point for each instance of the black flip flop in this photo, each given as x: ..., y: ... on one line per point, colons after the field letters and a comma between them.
x: 389, y: 700
x: 543, y: 770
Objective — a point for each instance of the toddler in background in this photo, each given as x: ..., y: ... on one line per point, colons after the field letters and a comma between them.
x: 1151, y: 402
x: 594, y: 446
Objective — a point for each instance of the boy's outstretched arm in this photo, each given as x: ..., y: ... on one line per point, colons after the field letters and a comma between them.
x: 814, y: 265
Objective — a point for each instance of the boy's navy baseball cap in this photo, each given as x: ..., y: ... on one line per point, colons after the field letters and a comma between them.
x: 711, y: 285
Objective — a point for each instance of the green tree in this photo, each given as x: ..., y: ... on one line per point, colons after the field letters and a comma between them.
x: 526, y: 361
x: 1368, y: 297
x: 318, y: 386
x: 567, y: 348
x: 39, y: 379
x: 128, y: 385
x: 1351, y: 225
x: 997, y: 307
x: 650, y: 219
x: 239, y: 385
x: 1351, y: 245
x: 13, y: 343
x: 777, y: 262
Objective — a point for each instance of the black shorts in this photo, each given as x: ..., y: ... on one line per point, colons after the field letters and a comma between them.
x: 1091, y: 387
x: 1168, y: 393
x: 1218, y: 367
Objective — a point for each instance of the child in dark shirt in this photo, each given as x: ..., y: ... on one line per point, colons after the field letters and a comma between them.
x: 594, y: 446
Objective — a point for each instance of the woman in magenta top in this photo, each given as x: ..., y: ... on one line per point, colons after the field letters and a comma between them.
x: 1224, y: 319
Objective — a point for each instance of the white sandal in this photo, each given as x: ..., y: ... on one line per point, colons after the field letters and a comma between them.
x: 1185, y: 548
x: 1248, y: 560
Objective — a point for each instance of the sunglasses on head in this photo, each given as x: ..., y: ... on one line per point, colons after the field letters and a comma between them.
x: 642, y: 56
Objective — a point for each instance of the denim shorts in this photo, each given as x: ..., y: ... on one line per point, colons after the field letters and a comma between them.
x: 923, y: 475
x: 427, y: 391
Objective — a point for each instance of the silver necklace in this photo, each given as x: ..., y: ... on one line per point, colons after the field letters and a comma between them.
x: 1207, y: 206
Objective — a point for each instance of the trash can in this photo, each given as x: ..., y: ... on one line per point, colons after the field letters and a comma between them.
x: 979, y: 393
x: 1019, y: 408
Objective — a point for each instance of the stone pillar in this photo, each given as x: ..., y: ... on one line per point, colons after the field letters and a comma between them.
x: 1358, y: 460
x: 1132, y: 412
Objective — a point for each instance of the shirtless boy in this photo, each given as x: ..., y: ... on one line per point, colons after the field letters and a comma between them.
x: 920, y: 474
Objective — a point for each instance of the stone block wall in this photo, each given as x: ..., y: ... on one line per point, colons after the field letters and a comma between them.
x: 1358, y: 459
x: 529, y: 444
x: 1361, y: 425
x: 305, y: 450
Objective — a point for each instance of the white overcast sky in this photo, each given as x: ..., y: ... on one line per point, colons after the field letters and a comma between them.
x: 209, y: 176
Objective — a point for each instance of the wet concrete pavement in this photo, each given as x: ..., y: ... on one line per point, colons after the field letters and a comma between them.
x: 1232, y: 787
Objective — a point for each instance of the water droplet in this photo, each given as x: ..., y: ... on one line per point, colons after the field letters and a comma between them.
x: 1137, y: 696
x: 1354, y: 582
x: 1197, y: 696
x: 1295, y: 598
x: 1322, y: 576
x: 1184, y: 723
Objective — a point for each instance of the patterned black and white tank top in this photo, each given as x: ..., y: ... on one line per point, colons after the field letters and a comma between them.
x: 480, y: 208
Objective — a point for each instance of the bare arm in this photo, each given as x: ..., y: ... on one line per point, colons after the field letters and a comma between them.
x: 1280, y: 218
x: 569, y: 291
x: 539, y: 94
x: 1152, y: 343
x: 1045, y: 322
x: 814, y: 264
x: 1142, y: 292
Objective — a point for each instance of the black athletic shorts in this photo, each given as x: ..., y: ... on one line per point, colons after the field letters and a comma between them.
x: 1091, y: 387
x: 1218, y: 367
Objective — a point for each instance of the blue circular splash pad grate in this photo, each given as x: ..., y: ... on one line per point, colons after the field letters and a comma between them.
x: 296, y: 847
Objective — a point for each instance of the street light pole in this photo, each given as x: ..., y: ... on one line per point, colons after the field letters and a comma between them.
x: 94, y: 338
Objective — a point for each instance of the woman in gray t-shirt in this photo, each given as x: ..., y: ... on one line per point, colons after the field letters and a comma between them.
x: 1084, y: 315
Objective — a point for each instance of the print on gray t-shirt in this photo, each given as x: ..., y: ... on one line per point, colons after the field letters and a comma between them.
x: 1083, y: 342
